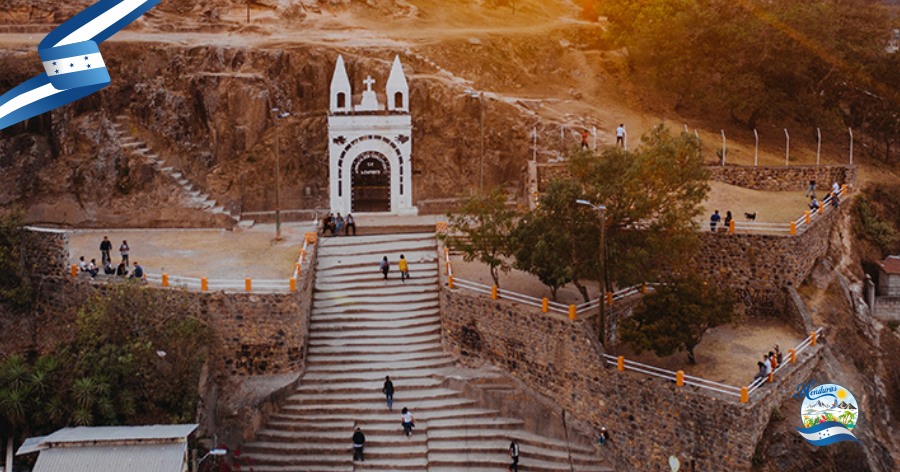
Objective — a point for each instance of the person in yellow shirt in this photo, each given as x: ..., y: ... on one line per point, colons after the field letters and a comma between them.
x: 404, y: 268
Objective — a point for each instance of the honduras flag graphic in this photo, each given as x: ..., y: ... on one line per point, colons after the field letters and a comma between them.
x: 73, y: 66
x: 827, y: 433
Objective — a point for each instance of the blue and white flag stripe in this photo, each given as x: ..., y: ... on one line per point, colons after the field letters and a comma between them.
x: 826, y: 433
x: 72, y: 62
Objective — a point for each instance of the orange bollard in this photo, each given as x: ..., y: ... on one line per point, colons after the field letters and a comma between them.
x: 572, y: 312
x: 620, y: 364
x: 165, y: 280
x: 248, y: 284
x: 808, y: 216
x: 745, y: 395
x: 793, y: 228
x: 298, y: 269
x: 679, y: 378
x: 303, y: 255
x: 821, y: 209
x: 771, y: 377
x: 644, y: 289
x: 493, y: 292
x: 792, y: 355
x: 293, y: 284
x: 545, y: 305
x: 74, y: 270
x: 609, y: 298
x: 449, y: 269
x: 731, y: 226
x: 204, y: 284
x: 450, y: 281
x: 843, y: 190
x: 812, y: 338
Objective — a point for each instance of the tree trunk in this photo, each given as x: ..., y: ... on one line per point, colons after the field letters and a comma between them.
x: 495, y: 274
x: 691, y: 359
x: 583, y: 290
x: 553, y: 291
x: 9, y: 454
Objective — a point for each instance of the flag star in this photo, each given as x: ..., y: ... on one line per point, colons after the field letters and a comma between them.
x: 57, y: 71
x: 71, y: 65
x: 85, y: 58
x: 54, y: 63
x: 88, y: 66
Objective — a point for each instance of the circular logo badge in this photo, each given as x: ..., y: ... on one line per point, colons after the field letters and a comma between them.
x: 829, y: 403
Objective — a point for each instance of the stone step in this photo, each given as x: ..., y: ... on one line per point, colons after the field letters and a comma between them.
x: 344, y: 358
x: 498, y: 460
x: 246, y: 223
x: 176, y: 175
x: 386, y: 416
x: 388, y: 287
x: 386, y: 334
x: 376, y: 282
x: 334, y: 251
x: 420, y: 407
x: 373, y: 260
x: 380, y: 309
x: 403, y: 316
x: 182, y: 182
x: 345, y: 273
x: 375, y: 239
x: 167, y: 169
x: 476, y: 423
x: 367, y: 386
x: 357, y: 325
x: 433, y: 344
x: 488, y: 436
x: 217, y: 210
x: 369, y: 375
x: 384, y: 367
x: 372, y: 394
x: 348, y: 467
x: 389, y: 303
x: 397, y: 446
x: 373, y: 343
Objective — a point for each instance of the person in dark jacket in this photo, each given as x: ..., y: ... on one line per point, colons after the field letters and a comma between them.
x: 138, y: 271
x: 105, y: 249
x: 388, y: 391
x: 359, y: 441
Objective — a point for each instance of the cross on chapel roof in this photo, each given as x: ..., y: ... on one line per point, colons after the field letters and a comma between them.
x: 369, y: 83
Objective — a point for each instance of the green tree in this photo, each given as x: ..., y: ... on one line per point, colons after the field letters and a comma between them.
x: 482, y: 231
x: 676, y: 315
x: 16, y: 291
x: 557, y: 242
x: 652, y: 197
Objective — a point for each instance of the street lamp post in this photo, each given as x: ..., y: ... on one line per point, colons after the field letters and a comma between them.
x: 604, y: 276
x: 278, y: 174
x: 212, y: 452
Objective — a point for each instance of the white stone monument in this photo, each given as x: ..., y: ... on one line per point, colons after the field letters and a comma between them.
x: 370, y: 147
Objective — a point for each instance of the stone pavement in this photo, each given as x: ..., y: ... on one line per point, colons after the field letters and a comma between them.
x: 364, y: 328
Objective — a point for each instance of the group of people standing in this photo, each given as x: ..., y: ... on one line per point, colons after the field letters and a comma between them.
x: 716, y: 218
x: 814, y: 204
x: 338, y: 224
x: 106, y: 260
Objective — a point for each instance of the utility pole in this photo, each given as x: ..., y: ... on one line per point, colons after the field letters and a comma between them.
x: 604, y: 270
x: 481, y: 159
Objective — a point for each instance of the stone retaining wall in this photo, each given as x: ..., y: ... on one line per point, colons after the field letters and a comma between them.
x: 784, y: 178
x: 45, y: 251
x: 759, y: 266
x: 649, y: 419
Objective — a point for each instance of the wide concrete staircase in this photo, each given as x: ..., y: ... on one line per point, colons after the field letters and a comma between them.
x: 364, y: 328
x: 193, y: 195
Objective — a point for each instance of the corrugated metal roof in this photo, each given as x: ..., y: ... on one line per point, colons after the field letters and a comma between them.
x: 141, y: 458
x: 30, y: 445
x: 891, y: 265
x: 120, y: 433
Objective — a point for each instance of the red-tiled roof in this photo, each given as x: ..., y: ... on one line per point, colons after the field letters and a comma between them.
x: 891, y: 265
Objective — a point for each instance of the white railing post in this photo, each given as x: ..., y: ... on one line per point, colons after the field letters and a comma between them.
x: 818, y: 144
x: 534, y: 144
x: 851, y: 145
x: 756, y: 149
x: 787, y: 147
x: 723, y: 148
x: 595, y: 137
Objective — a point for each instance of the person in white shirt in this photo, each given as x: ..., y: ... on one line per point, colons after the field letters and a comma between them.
x: 620, y: 135
x: 408, y: 421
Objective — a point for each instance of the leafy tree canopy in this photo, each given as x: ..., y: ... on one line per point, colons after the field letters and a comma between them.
x: 675, y: 316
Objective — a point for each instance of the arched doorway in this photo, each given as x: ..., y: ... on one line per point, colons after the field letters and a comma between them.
x: 371, y: 183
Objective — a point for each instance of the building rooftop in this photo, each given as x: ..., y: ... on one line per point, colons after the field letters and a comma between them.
x: 157, y: 448
x: 891, y: 265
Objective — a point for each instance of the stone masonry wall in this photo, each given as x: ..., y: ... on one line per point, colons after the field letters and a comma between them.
x: 758, y: 266
x: 258, y: 333
x: 649, y: 418
x: 784, y: 178
x: 887, y: 308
